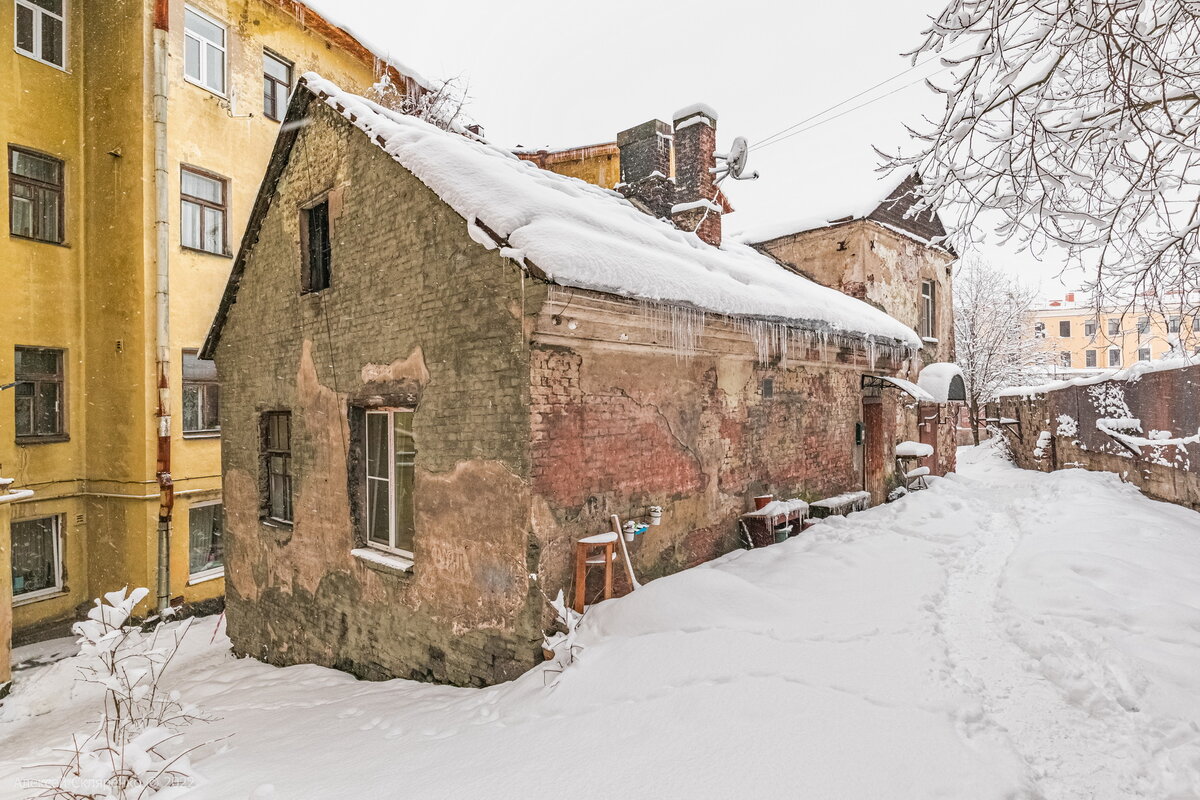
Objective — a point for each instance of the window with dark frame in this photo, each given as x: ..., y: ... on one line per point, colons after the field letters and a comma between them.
x: 39, y: 395
x: 206, y: 547
x: 928, y: 309
x: 1089, y: 358
x: 35, y: 195
x: 277, y: 85
x: 1173, y: 324
x: 201, y: 395
x: 390, y: 464
x: 40, y: 30
x: 36, y: 557
x: 1064, y: 329
x: 277, y: 465
x: 317, y: 255
x: 202, y: 209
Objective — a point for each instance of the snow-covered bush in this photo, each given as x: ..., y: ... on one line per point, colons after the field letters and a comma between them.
x: 134, y: 751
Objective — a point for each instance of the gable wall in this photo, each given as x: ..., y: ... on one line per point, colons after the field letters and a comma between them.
x: 416, y: 310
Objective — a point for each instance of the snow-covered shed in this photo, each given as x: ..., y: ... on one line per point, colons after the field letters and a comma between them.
x: 442, y: 366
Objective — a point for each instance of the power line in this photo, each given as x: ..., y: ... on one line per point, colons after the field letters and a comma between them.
x: 821, y: 122
x: 778, y: 135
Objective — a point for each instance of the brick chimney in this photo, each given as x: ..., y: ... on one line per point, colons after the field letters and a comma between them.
x: 646, y: 166
x: 697, y: 206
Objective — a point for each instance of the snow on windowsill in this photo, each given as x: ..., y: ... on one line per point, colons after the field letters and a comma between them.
x: 376, y: 558
x: 930, y: 340
x: 207, y: 575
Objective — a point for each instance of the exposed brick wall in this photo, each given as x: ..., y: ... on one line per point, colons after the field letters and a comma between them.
x: 619, y: 429
x: 1162, y: 401
x: 530, y: 430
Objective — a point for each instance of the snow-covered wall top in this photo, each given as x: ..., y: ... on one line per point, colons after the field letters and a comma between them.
x: 1130, y: 373
x: 587, y: 237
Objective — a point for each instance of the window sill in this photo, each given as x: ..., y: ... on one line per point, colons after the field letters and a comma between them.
x: 208, y: 89
x: 201, y: 251
x: 34, y: 597
x: 202, y: 434
x: 33, y: 57
x: 54, y: 439
x: 271, y: 522
x: 383, y: 562
x: 930, y: 340
x: 36, y: 240
x: 207, y: 575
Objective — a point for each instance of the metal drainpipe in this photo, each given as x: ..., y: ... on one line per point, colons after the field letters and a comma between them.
x: 162, y: 296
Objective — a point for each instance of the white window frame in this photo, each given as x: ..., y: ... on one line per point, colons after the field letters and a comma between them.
x: 204, y: 574
x: 57, y: 588
x: 224, y: 48
x: 1116, y: 350
x: 1142, y: 350
x: 928, y: 309
x: 391, y: 480
x: 38, y: 12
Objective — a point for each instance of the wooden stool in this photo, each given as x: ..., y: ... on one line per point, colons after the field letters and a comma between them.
x: 584, y: 558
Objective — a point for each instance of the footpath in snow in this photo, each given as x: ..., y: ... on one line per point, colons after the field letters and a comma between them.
x: 1005, y: 634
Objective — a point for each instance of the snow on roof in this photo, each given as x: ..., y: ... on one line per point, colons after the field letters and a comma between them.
x: 583, y: 236
x: 1130, y: 373
x: 855, y: 195
x: 322, y: 8
x: 937, y: 379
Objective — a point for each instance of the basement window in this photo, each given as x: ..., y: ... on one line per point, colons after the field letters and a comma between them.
x: 41, y: 30
x: 206, y: 546
x: 277, y: 466
x: 36, y: 558
x: 201, y: 396
x: 317, y: 254
x: 390, y: 465
x: 203, y: 51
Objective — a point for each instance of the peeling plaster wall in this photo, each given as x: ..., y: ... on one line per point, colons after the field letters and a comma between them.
x: 621, y: 422
x: 418, y: 315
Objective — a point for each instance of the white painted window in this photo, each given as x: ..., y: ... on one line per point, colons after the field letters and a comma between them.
x: 1114, y: 357
x: 40, y: 30
x: 203, y: 50
x: 390, y: 456
x: 36, y: 558
x: 1143, y: 354
x: 206, y: 548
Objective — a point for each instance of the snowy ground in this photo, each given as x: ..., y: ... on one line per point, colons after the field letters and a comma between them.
x: 1005, y: 634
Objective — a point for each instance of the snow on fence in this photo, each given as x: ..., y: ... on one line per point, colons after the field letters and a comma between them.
x: 1142, y: 423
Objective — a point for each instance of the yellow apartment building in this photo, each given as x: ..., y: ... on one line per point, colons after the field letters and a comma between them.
x: 1078, y: 336
x: 136, y: 133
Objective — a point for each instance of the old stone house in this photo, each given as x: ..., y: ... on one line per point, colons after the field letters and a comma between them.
x: 441, y: 366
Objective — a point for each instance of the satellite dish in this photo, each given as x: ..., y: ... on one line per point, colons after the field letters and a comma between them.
x: 735, y: 162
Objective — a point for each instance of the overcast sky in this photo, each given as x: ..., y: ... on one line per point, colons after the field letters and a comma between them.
x: 562, y: 74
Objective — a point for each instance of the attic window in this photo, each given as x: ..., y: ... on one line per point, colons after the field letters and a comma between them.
x: 317, y: 253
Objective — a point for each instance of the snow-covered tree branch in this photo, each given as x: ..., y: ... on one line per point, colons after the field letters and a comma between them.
x: 1076, y: 122
x: 992, y: 334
